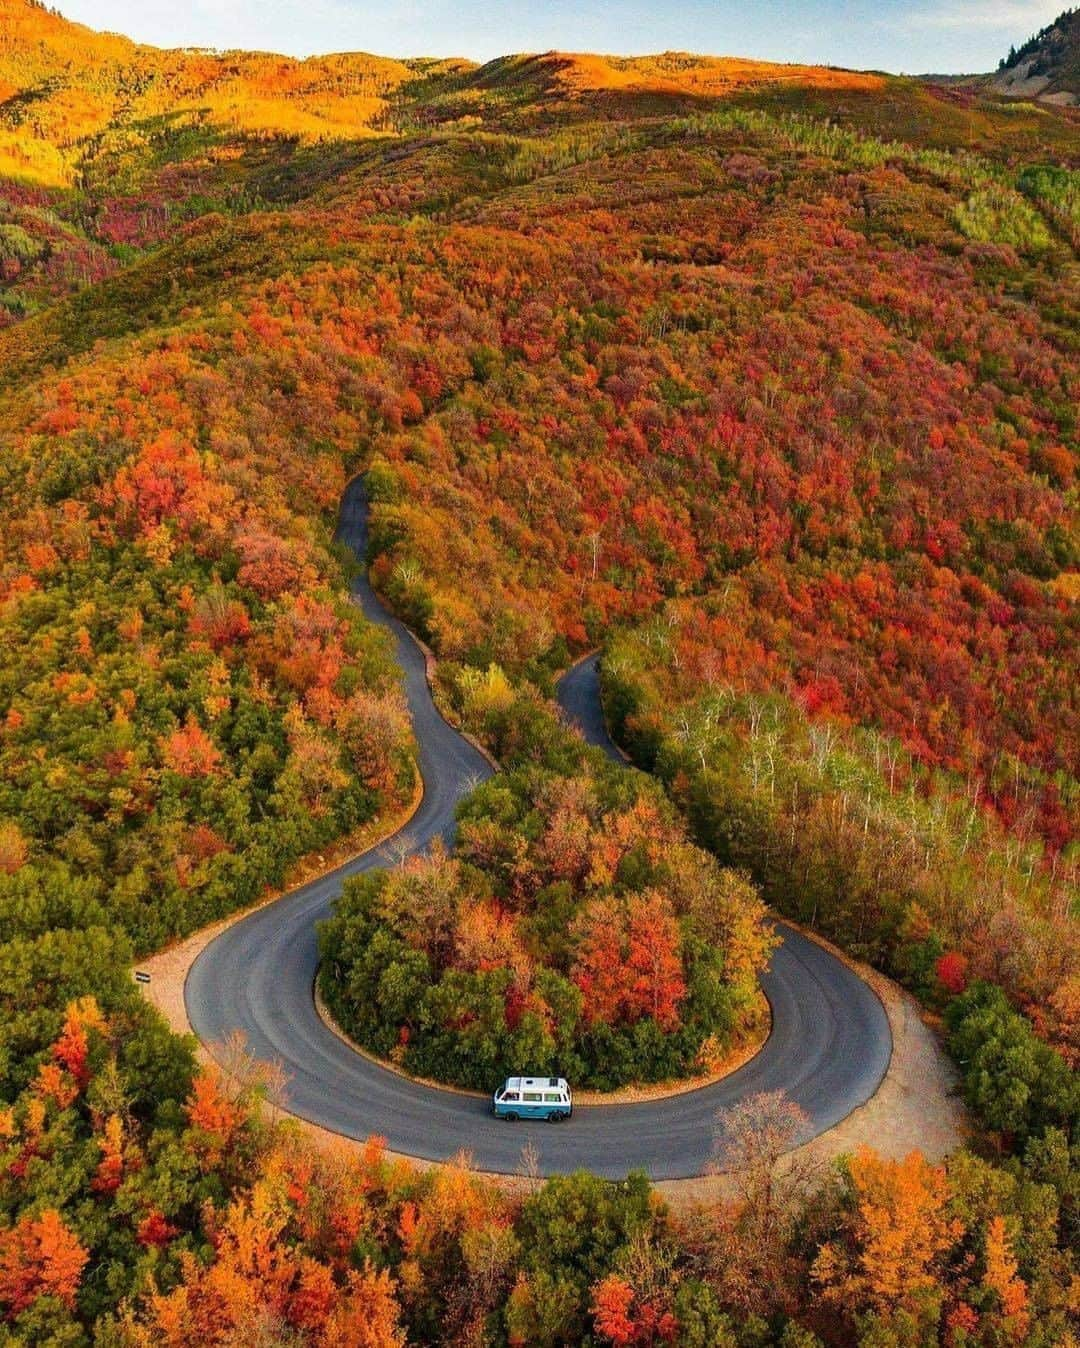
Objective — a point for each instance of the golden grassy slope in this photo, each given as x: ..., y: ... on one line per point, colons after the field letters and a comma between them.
x: 62, y: 84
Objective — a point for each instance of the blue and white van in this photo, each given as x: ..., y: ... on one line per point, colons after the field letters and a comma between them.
x: 546, y: 1098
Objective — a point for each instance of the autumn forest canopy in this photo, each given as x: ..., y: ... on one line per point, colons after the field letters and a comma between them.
x: 764, y: 381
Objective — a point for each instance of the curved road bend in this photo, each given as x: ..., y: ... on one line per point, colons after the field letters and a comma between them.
x: 829, y: 1047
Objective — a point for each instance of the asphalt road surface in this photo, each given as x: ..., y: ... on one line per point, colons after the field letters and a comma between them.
x: 829, y: 1046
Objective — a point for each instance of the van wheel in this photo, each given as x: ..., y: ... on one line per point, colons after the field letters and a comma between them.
x: 554, y: 1117
x: 510, y: 1118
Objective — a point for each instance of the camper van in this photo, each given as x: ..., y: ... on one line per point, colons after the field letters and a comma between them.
x: 546, y: 1098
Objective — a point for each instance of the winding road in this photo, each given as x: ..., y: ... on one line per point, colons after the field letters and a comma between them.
x: 829, y: 1048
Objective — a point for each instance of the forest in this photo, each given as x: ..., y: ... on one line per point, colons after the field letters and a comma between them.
x: 762, y: 381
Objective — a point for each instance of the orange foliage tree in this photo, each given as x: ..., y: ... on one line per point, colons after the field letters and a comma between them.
x: 897, y: 1233
x: 39, y: 1257
x: 257, y: 1278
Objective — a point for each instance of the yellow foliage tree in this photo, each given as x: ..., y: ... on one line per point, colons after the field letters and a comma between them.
x: 897, y: 1230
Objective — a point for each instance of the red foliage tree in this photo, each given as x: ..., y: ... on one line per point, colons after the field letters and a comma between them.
x: 622, y: 1318
x: 190, y: 752
x: 951, y: 970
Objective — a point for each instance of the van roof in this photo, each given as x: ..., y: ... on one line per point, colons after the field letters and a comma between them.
x: 536, y: 1083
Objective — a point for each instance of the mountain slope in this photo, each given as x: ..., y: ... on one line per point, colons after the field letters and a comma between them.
x: 763, y: 379
x: 1048, y: 66
x: 63, y: 85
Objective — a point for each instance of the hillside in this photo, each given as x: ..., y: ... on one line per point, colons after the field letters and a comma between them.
x: 64, y: 86
x: 1047, y: 67
x: 71, y: 98
x: 763, y: 380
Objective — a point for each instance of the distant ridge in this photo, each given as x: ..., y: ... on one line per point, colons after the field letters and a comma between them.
x: 681, y: 74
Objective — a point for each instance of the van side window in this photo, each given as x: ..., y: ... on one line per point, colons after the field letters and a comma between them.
x: 552, y: 1098
x: 510, y: 1095
x: 531, y: 1097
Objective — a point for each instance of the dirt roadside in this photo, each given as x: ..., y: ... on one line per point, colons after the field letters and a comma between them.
x: 916, y: 1106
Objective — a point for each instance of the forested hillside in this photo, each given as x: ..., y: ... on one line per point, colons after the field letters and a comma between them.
x: 764, y: 379
x: 1047, y: 66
